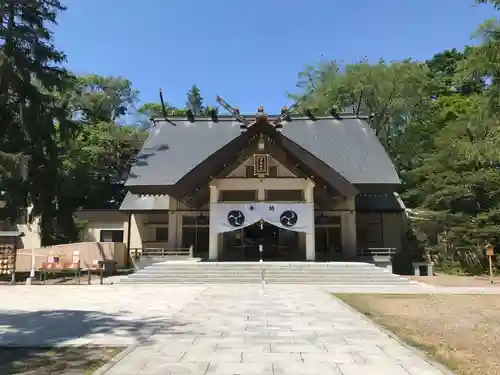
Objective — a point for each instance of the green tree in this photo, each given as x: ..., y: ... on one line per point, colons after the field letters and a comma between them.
x: 443, y: 68
x: 460, y: 181
x: 396, y: 95
x: 195, y: 101
x: 148, y: 111
x: 495, y: 3
x: 104, y: 98
x: 34, y: 117
x: 483, y: 63
x: 99, y: 157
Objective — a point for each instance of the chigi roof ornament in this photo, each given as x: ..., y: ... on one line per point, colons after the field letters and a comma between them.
x: 285, y: 112
x: 164, y: 110
x: 244, y: 123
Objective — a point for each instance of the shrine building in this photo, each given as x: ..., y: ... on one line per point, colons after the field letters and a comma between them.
x: 301, y: 187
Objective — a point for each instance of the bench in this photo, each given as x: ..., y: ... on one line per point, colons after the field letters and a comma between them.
x: 58, y: 267
x: 101, y: 267
x: 417, y: 266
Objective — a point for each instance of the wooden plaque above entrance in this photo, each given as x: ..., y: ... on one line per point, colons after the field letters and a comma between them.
x: 261, y: 164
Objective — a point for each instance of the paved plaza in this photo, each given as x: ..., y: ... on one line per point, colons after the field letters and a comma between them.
x: 226, y: 330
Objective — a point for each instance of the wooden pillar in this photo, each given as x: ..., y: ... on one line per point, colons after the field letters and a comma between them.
x: 174, y: 230
x: 310, y: 241
x: 213, y: 244
x: 349, y: 236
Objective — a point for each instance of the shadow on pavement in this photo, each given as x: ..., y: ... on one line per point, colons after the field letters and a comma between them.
x: 39, y: 337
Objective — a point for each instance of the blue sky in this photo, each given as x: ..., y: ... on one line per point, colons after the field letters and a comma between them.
x: 250, y: 51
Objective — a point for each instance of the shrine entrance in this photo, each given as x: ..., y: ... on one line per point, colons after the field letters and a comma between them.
x: 277, y: 244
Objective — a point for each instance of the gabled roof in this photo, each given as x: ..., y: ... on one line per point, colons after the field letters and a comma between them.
x: 348, y: 146
x: 171, y: 151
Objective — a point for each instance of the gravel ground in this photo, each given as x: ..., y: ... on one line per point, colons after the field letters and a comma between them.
x: 54, y: 361
x: 460, y: 331
x: 452, y: 280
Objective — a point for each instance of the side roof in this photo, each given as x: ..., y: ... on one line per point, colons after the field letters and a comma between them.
x: 135, y: 202
x: 349, y: 146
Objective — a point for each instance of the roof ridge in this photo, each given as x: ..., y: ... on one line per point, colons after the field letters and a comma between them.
x: 270, y: 118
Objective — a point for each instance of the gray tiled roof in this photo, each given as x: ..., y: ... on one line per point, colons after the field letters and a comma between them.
x: 172, y: 151
x: 349, y: 146
x: 136, y: 202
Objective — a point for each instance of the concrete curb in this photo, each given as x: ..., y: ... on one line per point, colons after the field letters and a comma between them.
x: 117, y: 358
x: 417, y: 352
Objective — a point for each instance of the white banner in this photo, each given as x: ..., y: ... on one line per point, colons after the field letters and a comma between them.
x: 226, y: 217
x: 298, y: 217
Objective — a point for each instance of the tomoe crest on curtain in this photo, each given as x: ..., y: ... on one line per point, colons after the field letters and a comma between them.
x: 292, y: 216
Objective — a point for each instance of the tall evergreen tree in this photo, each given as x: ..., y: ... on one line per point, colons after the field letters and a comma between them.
x: 195, y: 101
x: 34, y: 115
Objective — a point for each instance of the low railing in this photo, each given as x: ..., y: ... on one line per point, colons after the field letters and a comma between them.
x: 161, y: 252
x: 381, y: 257
x: 376, y: 252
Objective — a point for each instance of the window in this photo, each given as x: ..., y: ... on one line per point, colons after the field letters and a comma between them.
x: 156, y: 218
x: 161, y: 234
x: 238, y: 195
x: 196, y: 232
x: 327, y: 220
x: 273, y: 172
x: 249, y: 171
x: 196, y: 220
x: 369, y: 230
x: 285, y: 195
x: 111, y: 235
x: 328, y: 235
x: 328, y: 239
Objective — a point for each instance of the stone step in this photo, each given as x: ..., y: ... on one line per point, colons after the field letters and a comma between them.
x: 267, y: 275
x: 334, y: 273
x: 263, y: 264
x: 267, y: 269
x: 190, y: 281
x: 257, y: 277
x: 271, y: 282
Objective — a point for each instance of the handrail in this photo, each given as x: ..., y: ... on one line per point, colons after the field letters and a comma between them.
x: 162, y: 252
x: 376, y: 251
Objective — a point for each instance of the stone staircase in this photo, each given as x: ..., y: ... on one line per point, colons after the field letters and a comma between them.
x: 332, y: 273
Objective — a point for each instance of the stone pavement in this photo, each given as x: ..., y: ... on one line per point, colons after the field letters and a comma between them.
x: 283, y: 330
x: 87, y: 314
x: 240, y: 329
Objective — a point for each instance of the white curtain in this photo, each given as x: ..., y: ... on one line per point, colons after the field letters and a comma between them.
x: 226, y: 217
x: 298, y: 217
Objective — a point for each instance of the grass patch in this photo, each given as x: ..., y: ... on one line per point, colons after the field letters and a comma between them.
x: 55, y: 361
x: 460, y: 331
